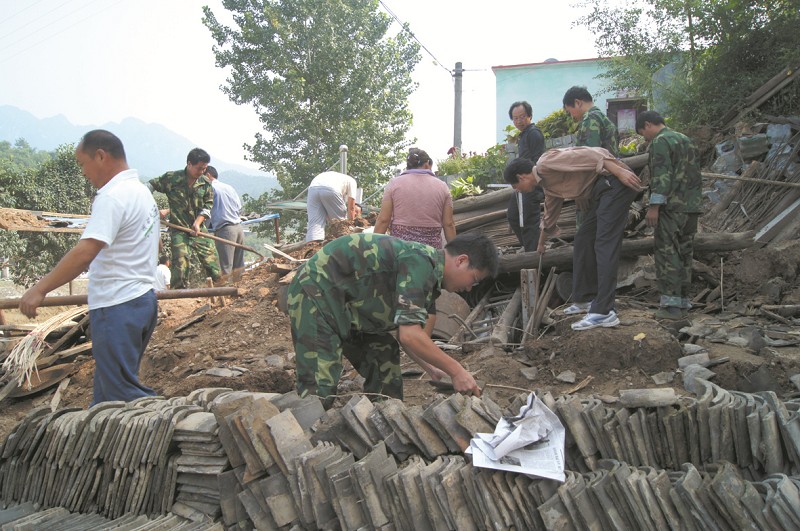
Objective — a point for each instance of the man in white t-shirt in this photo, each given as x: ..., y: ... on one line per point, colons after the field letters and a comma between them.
x: 119, y: 247
x: 331, y: 196
x: 163, y: 274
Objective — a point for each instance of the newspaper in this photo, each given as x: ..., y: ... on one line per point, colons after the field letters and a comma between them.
x: 531, y: 443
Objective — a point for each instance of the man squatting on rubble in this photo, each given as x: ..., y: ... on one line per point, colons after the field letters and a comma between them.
x: 349, y: 297
x: 190, y: 197
x: 120, y: 248
x: 576, y: 173
x: 676, y: 189
x: 530, y: 146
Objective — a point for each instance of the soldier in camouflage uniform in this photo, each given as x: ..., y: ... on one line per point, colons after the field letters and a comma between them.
x: 190, y: 198
x: 675, y: 195
x: 594, y: 127
x: 349, y: 297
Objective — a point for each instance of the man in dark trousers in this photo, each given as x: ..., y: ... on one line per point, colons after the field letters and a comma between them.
x: 608, y: 187
x: 119, y: 248
x: 530, y: 145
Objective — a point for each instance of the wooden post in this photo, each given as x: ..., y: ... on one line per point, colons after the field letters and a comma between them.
x: 529, y: 285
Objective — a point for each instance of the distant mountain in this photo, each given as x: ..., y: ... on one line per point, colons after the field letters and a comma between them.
x: 150, y: 148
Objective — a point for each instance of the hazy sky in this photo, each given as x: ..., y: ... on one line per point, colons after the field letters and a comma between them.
x: 99, y: 61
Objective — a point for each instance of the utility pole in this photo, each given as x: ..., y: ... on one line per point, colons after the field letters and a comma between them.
x: 458, y: 75
x: 343, y: 159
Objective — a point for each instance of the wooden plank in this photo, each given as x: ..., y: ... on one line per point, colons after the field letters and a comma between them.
x: 20, y: 228
x: 79, y: 327
x: 789, y: 215
x: 63, y: 355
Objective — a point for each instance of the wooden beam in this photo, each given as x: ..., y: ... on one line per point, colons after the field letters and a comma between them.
x: 562, y: 257
x: 77, y: 300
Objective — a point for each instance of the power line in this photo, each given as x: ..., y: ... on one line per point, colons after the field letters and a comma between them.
x: 23, y: 26
x: 51, y: 35
x: 404, y: 26
x: 20, y: 11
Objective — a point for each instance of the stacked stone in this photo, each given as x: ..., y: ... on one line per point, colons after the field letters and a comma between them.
x: 28, y: 517
x: 202, y: 459
x: 718, y: 461
x: 757, y: 432
x: 112, y: 459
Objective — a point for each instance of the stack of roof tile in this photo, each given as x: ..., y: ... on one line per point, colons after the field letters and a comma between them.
x: 721, y: 461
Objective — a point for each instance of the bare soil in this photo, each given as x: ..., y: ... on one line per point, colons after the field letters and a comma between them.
x: 11, y: 218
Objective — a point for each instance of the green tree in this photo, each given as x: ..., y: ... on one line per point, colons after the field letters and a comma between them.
x: 20, y: 155
x: 722, y: 50
x: 55, y: 185
x: 319, y: 75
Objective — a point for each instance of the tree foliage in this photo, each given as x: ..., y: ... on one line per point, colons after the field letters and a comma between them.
x: 39, y: 181
x: 557, y: 124
x: 319, y: 75
x: 478, y: 169
x: 722, y: 50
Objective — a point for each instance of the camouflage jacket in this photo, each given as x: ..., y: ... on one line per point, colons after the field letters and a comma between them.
x: 675, y: 179
x: 596, y: 130
x: 185, y: 204
x: 372, y: 282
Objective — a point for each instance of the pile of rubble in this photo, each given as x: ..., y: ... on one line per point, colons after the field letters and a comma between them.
x: 720, y: 461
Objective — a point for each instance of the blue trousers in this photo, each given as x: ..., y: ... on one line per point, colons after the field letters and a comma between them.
x: 120, y: 334
x: 595, y: 255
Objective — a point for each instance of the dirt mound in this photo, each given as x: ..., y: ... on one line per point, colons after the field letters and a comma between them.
x: 615, y: 358
x: 768, y: 275
x: 249, y: 335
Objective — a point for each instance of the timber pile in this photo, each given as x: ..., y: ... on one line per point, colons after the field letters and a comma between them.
x: 486, y: 214
x: 763, y: 206
x: 722, y: 460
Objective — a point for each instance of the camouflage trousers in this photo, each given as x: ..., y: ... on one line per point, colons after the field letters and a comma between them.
x: 319, y: 349
x: 184, y: 245
x: 674, y: 249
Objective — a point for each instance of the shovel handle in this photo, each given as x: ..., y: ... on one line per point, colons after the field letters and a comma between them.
x: 212, y: 237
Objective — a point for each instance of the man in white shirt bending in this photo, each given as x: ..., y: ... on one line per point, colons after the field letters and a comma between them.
x: 331, y: 196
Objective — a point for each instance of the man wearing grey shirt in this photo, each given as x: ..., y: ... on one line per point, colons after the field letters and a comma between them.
x: 226, y: 223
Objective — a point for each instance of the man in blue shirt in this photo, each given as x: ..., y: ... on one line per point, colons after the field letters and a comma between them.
x: 226, y: 223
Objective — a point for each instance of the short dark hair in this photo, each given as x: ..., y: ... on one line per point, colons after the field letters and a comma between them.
x: 417, y: 158
x: 163, y: 259
x: 212, y: 171
x: 481, y: 251
x: 517, y: 167
x: 105, y: 140
x: 576, y: 93
x: 648, y: 116
x: 525, y: 105
x: 198, y: 155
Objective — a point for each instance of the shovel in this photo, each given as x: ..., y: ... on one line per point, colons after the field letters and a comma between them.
x: 211, y: 236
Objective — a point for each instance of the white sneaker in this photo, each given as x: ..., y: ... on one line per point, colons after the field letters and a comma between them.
x: 595, y: 320
x: 576, y: 308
